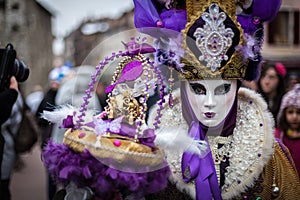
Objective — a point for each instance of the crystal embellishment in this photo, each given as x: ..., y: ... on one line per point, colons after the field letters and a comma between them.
x: 214, y: 39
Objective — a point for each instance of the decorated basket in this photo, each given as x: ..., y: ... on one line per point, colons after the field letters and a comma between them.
x: 113, y: 153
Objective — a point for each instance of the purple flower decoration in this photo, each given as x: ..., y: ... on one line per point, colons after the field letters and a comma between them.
x: 68, y: 122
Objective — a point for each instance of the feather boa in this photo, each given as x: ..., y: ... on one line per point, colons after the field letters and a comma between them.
x: 83, y: 169
x: 61, y: 112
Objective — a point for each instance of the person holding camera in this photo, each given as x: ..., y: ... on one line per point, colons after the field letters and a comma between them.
x: 7, y: 99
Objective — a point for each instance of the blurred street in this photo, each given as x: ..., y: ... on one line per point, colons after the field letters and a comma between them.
x: 30, y: 182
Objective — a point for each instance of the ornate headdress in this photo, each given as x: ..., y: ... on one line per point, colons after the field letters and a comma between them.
x: 221, y: 39
x: 210, y: 39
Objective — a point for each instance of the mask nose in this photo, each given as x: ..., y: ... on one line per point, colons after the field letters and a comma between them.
x: 210, y: 101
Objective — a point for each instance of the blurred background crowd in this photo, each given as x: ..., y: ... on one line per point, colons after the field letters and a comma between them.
x: 61, y: 62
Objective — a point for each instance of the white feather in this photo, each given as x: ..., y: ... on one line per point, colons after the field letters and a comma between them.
x: 176, y: 139
x: 61, y: 112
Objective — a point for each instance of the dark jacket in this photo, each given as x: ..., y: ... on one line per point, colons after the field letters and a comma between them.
x: 7, y: 99
x: 47, y: 104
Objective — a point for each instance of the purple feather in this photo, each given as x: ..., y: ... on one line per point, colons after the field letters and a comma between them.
x: 84, y: 169
x: 130, y: 72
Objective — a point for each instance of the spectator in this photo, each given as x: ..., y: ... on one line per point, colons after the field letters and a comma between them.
x: 56, y: 77
x: 271, y: 85
x: 71, y: 92
x: 34, y: 99
x: 102, y: 96
x: 9, y: 129
x: 292, y: 79
x: 288, y: 129
x: 7, y: 99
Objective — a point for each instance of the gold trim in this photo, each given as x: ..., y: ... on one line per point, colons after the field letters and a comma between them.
x: 128, y: 151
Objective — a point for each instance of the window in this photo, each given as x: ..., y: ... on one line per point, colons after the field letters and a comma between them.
x: 284, y: 29
x: 15, y: 28
x: 2, y: 4
x: 15, y: 6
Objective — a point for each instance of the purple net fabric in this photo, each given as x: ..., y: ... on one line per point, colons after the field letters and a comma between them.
x: 84, y: 169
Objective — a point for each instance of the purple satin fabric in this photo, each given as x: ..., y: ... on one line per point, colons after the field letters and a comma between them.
x: 174, y: 19
x: 147, y: 138
x: 146, y: 15
x: 263, y: 10
x: 266, y: 10
x: 202, y: 170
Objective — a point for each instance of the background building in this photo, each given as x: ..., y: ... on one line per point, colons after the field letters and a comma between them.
x: 91, y: 33
x: 27, y: 25
x: 281, y: 39
x: 282, y: 36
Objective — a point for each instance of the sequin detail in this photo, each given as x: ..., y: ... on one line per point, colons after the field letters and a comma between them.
x: 214, y: 39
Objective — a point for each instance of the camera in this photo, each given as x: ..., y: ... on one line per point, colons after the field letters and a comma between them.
x: 10, y: 66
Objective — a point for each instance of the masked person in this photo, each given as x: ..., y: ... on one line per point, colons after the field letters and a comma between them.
x: 221, y: 46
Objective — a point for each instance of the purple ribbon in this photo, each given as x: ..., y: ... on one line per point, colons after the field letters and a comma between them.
x: 202, y: 170
x: 147, y: 137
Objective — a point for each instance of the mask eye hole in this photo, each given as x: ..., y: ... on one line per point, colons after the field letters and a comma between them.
x: 222, y: 89
x: 198, y: 88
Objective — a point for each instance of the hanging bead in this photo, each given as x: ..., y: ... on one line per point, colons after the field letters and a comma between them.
x: 171, y: 102
x: 275, y: 190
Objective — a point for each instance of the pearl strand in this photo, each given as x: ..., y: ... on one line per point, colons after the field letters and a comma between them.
x: 162, y: 94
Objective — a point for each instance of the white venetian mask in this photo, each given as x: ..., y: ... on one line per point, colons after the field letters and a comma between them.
x: 211, y: 100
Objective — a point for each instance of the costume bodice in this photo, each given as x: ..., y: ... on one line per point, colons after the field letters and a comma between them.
x: 249, y: 150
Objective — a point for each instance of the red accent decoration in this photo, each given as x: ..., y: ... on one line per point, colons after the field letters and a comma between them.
x: 117, y: 143
x: 81, y: 135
